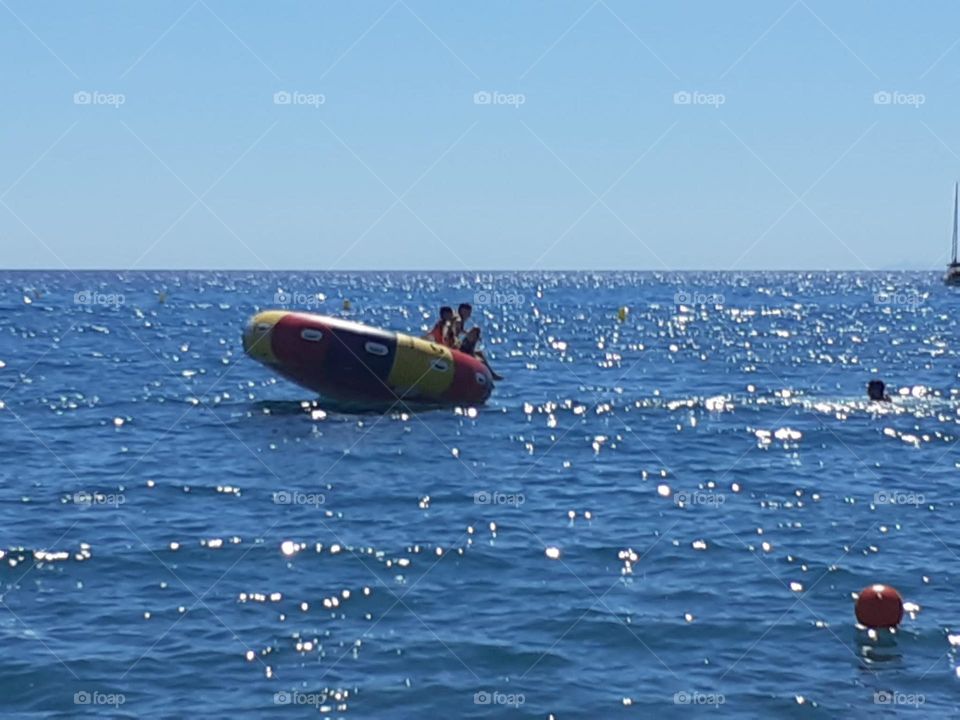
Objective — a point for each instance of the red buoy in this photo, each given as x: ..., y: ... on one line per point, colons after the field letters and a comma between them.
x: 879, y: 606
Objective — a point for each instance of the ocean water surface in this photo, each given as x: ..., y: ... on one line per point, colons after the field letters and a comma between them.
x: 666, y: 512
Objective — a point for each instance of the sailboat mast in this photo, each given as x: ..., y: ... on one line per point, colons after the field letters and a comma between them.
x: 955, y: 191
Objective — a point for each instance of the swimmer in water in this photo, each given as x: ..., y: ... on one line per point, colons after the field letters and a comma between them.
x: 876, y: 391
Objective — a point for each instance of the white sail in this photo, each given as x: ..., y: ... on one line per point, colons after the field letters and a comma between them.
x: 953, y: 269
x: 955, y: 186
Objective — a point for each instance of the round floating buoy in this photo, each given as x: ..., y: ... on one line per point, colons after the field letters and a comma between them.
x: 622, y: 313
x: 879, y: 606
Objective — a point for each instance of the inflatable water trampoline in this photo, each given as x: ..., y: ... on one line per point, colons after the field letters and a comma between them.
x: 349, y: 362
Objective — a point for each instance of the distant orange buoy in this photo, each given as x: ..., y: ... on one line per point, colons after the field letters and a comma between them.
x: 879, y: 606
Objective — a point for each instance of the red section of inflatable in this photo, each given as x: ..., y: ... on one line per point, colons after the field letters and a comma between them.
x: 300, y: 341
x: 472, y: 381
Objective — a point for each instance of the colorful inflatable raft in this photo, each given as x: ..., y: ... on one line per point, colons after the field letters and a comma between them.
x: 350, y: 362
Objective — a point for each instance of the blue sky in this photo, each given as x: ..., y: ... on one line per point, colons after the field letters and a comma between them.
x: 479, y: 135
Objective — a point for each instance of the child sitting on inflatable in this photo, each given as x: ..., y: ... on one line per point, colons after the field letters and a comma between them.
x: 469, y: 346
x: 464, y: 311
x: 469, y: 342
x: 442, y: 332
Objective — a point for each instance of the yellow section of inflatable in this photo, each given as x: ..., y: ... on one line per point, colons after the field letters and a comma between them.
x: 421, y: 368
x: 256, y: 338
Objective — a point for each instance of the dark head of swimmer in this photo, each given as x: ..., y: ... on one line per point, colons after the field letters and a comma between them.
x: 464, y: 311
x: 446, y: 313
x: 876, y: 391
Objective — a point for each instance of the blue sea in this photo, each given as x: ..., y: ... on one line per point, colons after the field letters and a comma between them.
x: 665, y: 510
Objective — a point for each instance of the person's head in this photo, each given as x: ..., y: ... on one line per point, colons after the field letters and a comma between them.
x: 446, y: 313
x: 465, y: 310
x: 875, y: 389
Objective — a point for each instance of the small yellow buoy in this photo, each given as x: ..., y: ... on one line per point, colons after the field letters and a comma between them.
x: 346, y: 304
x: 622, y: 313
